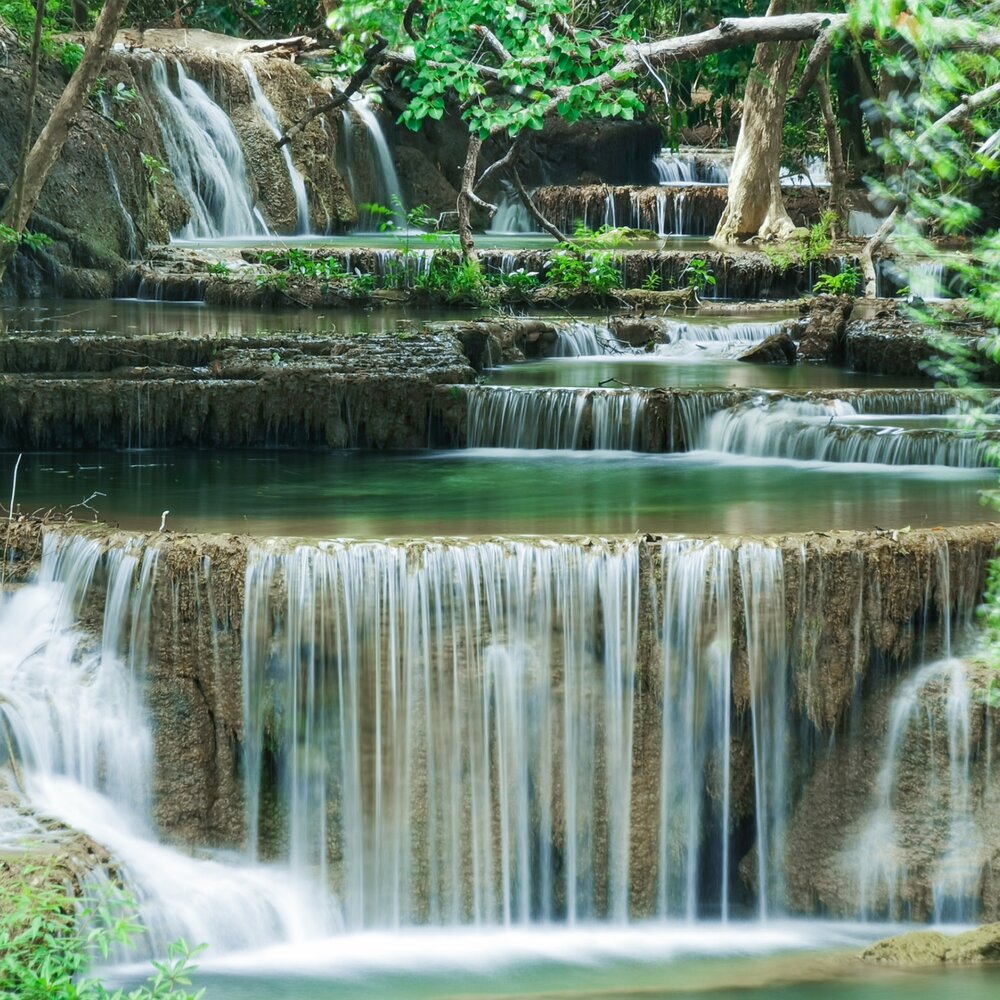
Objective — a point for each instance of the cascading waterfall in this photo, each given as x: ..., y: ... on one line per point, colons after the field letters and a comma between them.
x: 512, y: 217
x: 130, y: 230
x: 498, y: 732
x: 423, y: 688
x: 698, y: 341
x: 270, y: 117
x: 582, y: 340
x: 696, y: 612
x: 513, y: 417
x: 833, y: 431
x: 76, y: 719
x: 390, y: 193
x: 691, y: 167
x: 205, y: 158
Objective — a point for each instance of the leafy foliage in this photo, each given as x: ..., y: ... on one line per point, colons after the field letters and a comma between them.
x: 499, y: 61
x: 844, y: 283
x: 699, y: 275
x: 49, y: 941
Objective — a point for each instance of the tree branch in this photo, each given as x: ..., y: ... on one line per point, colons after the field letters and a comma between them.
x: 968, y: 106
x: 506, y: 160
x: 532, y: 208
x: 817, y: 59
x: 371, y: 60
x: 412, y: 9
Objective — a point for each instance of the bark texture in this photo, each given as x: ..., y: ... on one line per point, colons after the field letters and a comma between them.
x: 756, y: 207
x: 49, y: 144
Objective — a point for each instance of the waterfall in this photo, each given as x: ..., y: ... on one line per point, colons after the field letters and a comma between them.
x: 345, y: 156
x: 934, y: 705
x: 270, y: 117
x: 692, y: 167
x: 696, y: 616
x: 486, y: 732
x: 205, y: 158
x: 390, y: 192
x: 512, y: 417
x: 583, y: 340
x: 130, y: 230
x: 833, y: 431
x: 698, y: 341
x: 417, y: 686
x: 512, y: 217
x: 73, y: 708
x: 811, y: 173
x: 926, y: 279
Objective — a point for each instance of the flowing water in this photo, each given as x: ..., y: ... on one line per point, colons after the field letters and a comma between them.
x: 205, y: 158
x: 295, y: 178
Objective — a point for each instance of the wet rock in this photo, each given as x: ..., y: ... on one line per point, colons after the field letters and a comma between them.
x: 778, y: 349
x: 933, y: 947
x: 821, y: 334
x: 883, y: 338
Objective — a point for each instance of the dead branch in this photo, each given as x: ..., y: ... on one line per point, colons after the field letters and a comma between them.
x: 506, y: 160
x: 532, y: 208
x: 371, y: 60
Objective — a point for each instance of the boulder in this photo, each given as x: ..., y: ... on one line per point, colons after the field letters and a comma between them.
x: 778, y: 349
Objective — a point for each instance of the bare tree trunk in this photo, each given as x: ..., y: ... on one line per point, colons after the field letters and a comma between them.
x: 466, y: 197
x: 756, y: 206
x: 49, y: 144
x: 17, y: 191
x: 837, y: 167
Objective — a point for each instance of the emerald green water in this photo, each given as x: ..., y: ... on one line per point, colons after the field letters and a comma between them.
x: 375, y: 495
x: 663, y: 371
x: 680, y: 962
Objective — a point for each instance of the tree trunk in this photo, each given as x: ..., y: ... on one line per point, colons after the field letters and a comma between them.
x: 49, y: 144
x: 756, y: 206
x: 17, y: 192
x: 835, y: 158
x: 466, y: 196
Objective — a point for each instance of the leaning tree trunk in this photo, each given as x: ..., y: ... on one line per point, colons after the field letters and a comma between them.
x: 49, y: 144
x: 756, y: 206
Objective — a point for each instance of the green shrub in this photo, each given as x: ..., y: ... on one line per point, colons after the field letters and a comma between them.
x: 49, y: 941
x: 845, y: 283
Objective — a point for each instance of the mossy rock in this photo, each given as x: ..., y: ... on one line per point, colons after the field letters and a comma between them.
x: 933, y: 947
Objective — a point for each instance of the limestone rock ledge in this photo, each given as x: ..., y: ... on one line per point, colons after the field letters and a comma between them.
x: 933, y: 947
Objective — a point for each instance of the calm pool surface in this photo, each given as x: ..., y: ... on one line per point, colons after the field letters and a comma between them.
x: 490, y: 491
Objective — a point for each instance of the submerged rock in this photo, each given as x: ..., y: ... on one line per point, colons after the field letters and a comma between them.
x: 933, y: 947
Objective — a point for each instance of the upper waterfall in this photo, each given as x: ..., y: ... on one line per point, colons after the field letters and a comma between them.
x: 205, y: 158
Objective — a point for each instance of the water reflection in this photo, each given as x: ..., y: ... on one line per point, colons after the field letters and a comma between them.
x: 494, y: 491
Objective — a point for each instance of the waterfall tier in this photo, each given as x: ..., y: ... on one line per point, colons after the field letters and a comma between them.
x: 496, y: 731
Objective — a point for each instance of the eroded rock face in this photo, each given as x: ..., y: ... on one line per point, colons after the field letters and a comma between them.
x: 338, y: 391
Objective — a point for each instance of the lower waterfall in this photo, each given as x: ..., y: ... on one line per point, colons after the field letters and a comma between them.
x: 472, y: 732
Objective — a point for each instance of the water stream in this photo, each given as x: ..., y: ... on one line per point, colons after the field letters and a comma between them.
x: 295, y: 177
x: 205, y: 158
